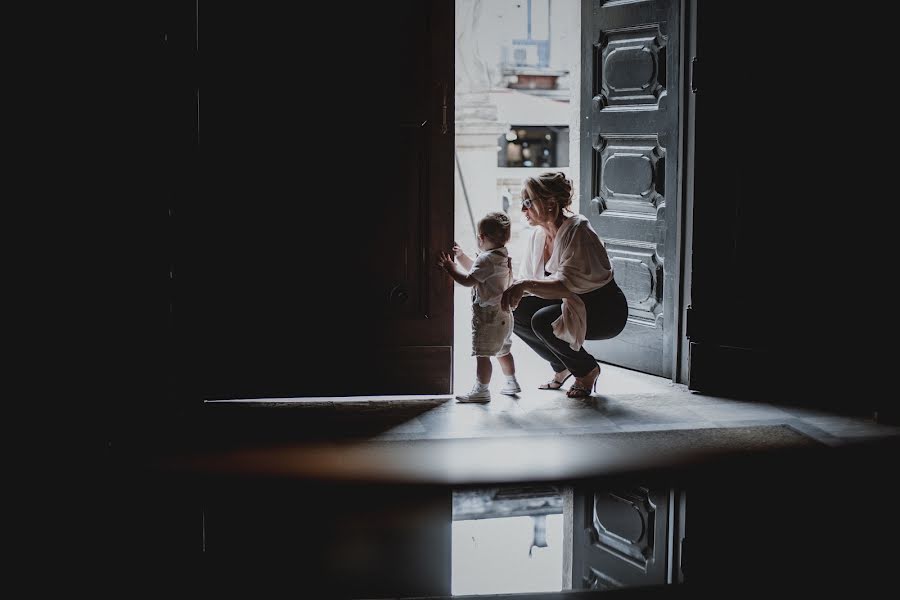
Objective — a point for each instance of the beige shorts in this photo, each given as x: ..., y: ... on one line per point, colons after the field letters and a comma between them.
x: 491, y: 331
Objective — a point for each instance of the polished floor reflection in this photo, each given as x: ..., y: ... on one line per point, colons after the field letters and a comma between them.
x: 506, y: 555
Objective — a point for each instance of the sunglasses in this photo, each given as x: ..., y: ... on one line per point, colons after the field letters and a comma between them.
x: 526, y: 202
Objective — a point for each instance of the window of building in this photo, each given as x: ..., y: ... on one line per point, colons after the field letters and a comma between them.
x: 534, y: 146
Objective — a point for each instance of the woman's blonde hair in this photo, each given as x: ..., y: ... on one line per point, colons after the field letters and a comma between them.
x: 548, y: 191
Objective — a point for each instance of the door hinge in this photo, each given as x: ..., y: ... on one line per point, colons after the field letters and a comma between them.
x: 694, y: 75
x: 690, y: 323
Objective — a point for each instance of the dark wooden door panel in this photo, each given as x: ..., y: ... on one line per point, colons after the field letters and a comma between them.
x: 305, y: 260
x: 631, y: 102
x: 621, y: 538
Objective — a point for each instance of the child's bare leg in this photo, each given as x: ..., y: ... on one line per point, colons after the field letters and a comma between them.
x: 507, y: 364
x: 484, y: 369
x: 511, y: 387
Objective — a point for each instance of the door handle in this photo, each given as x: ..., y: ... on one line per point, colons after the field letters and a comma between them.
x: 398, y: 296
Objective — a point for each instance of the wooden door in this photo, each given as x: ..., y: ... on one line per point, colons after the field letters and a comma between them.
x: 622, y: 537
x: 630, y: 163
x: 306, y: 256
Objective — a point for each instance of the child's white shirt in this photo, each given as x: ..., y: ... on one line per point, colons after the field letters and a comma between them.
x: 493, y: 272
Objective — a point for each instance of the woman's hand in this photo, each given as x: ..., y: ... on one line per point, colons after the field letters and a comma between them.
x: 511, y: 296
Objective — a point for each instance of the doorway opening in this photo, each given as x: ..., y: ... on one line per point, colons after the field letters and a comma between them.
x: 517, y: 108
x: 538, y: 79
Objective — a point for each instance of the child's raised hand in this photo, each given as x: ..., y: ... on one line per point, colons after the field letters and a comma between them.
x: 456, y: 250
x: 446, y: 261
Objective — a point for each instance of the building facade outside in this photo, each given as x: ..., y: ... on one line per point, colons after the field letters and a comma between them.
x: 517, y: 70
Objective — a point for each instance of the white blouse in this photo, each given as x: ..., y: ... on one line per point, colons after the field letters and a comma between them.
x: 579, y: 260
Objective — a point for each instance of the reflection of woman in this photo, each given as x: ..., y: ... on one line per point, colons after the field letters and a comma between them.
x: 572, y: 295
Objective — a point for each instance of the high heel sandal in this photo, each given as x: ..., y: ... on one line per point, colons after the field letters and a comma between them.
x: 553, y: 384
x: 576, y: 390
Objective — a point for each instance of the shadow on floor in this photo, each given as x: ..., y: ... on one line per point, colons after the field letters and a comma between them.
x: 275, y: 422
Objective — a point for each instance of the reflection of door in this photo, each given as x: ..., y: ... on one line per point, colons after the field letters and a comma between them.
x: 306, y: 259
x: 630, y: 99
x: 621, y: 538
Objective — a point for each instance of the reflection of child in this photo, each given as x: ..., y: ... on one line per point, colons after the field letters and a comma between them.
x: 489, y: 274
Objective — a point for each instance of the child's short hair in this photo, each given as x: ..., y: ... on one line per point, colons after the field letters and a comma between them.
x: 496, y: 227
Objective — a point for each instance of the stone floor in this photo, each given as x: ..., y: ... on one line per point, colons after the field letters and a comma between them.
x: 625, y: 401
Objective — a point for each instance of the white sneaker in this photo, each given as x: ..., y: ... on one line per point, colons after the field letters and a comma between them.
x: 475, y: 396
x: 511, y: 388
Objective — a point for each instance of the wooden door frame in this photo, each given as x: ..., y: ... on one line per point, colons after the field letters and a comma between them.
x: 685, y: 232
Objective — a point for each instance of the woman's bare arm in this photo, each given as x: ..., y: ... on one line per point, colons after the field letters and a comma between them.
x: 549, y: 289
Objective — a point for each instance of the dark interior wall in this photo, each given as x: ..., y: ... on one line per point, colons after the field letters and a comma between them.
x: 102, y: 106
x: 788, y: 238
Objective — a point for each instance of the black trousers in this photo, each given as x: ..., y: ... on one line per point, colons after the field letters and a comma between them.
x: 607, y: 312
